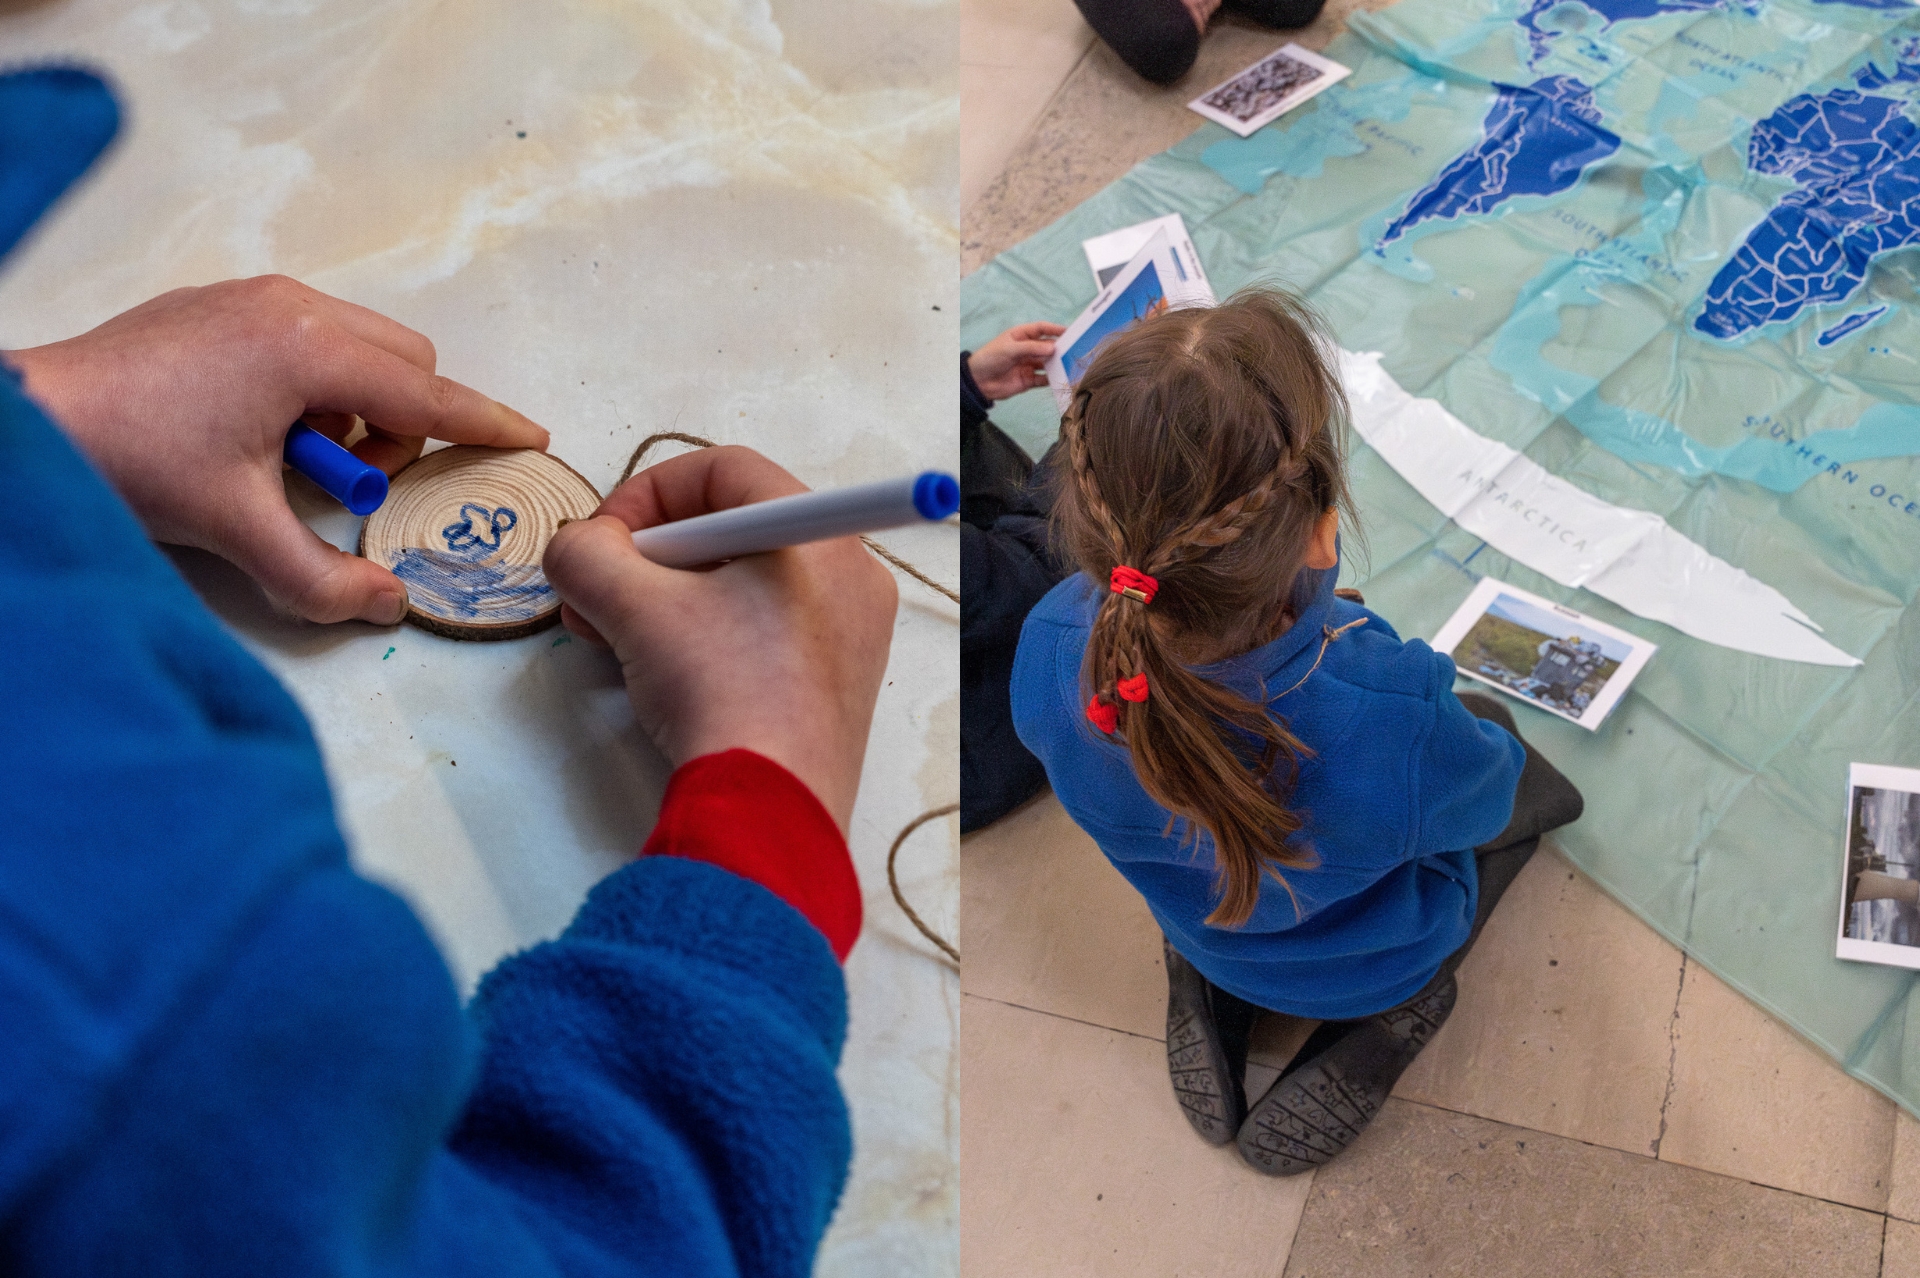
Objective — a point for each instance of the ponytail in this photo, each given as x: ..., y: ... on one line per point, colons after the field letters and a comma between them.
x: 1175, y: 414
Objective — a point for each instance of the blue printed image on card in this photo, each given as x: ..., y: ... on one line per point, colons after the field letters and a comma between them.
x: 1141, y: 298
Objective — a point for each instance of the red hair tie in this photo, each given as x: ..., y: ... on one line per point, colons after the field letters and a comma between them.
x: 1132, y: 584
x: 1103, y: 716
x: 1134, y: 689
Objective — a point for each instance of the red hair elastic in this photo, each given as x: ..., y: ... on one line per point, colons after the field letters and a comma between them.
x: 1132, y: 584
x: 1103, y: 716
x: 1134, y: 689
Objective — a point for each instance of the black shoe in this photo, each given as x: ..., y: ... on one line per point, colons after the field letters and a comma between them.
x: 1285, y: 15
x: 1314, y: 1111
x: 1207, y: 1032
x: 1157, y: 38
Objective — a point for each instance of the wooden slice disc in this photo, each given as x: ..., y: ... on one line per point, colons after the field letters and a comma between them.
x: 465, y: 528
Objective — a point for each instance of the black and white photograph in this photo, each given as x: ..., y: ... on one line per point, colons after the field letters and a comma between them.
x: 1880, y: 894
x: 1541, y: 652
x: 1268, y: 89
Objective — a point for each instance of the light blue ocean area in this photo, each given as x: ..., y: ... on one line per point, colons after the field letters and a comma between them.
x: 1540, y: 41
x: 1303, y: 149
x: 1853, y: 154
x: 1773, y: 458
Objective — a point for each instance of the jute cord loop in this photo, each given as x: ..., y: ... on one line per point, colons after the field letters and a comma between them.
x: 893, y: 879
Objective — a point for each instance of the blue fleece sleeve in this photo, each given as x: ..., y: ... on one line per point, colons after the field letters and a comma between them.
x: 659, y: 1082
x: 1465, y: 773
x: 225, y: 1053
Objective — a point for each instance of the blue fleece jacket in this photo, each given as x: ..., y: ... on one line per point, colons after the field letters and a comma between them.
x: 1402, y: 785
x: 222, y: 1052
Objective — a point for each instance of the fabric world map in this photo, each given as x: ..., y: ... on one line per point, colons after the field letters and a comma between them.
x: 1659, y: 258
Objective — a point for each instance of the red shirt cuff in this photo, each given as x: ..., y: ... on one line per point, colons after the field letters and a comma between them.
x: 745, y: 813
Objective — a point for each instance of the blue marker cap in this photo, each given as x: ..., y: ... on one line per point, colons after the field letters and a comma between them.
x: 354, y: 484
x: 936, y: 495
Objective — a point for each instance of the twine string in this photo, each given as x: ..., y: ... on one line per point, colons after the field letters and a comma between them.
x: 893, y: 878
x: 1327, y: 635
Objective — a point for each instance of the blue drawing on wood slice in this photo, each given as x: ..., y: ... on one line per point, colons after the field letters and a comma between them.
x: 465, y: 581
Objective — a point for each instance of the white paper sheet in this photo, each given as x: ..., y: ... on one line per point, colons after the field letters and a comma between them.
x: 1109, y: 254
x: 1632, y: 557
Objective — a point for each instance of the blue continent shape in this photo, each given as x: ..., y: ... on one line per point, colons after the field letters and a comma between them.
x: 1536, y: 140
x: 1852, y: 323
x: 1855, y: 158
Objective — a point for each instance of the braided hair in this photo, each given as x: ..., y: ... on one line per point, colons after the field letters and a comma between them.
x: 1202, y: 449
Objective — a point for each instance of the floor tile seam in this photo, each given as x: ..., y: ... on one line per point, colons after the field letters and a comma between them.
x: 1086, y: 51
x: 1541, y: 1131
x: 1673, y: 1017
x: 1880, y: 1269
x: 1058, y: 1016
x: 1017, y: 66
x: 1665, y: 1162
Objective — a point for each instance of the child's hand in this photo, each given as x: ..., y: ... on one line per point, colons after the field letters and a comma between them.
x: 779, y: 653
x: 184, y: 402
x: 1012, y: 362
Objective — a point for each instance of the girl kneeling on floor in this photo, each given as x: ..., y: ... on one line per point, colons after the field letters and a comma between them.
x: 1318, y: 824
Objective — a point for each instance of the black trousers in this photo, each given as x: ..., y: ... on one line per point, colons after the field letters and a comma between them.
x: 1157, y: 38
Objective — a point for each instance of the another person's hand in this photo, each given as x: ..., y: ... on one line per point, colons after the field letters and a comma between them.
x: 1014, y: 361
x: 779, y: 653
x: 184, y: 403
x: 1200, y: 11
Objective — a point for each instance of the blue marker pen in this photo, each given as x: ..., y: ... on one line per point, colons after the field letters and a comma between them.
x: 354, y: 484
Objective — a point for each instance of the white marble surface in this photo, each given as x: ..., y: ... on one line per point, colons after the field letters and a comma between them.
x: 731, y: 219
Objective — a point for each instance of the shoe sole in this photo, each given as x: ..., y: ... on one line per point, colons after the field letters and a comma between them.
x: 1319, y: 1109
x: 1197, y: 1063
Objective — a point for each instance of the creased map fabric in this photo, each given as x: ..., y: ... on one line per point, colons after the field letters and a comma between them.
x: 1670, y: 251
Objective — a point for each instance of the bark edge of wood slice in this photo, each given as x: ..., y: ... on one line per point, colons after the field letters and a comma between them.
x: 465, y: 528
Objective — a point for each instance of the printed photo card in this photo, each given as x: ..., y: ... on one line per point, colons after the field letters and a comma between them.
x: 1161, y: 276
x: 1880, y: 885
x: 1269, y: 89
x: 1544, y: 653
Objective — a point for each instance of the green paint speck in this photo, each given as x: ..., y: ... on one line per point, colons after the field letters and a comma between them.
x: 562, y: 639
x: 390, y: 652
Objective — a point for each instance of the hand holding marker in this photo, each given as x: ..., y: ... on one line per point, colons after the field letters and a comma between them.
x: 685, y: 543
x: 803, y: 517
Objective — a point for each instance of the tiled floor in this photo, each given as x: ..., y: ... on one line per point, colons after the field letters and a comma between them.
x: 1597, y: 1105
x: 1013, y: 55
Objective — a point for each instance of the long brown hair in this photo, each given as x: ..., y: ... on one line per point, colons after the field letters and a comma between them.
x: 1202, y: 447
